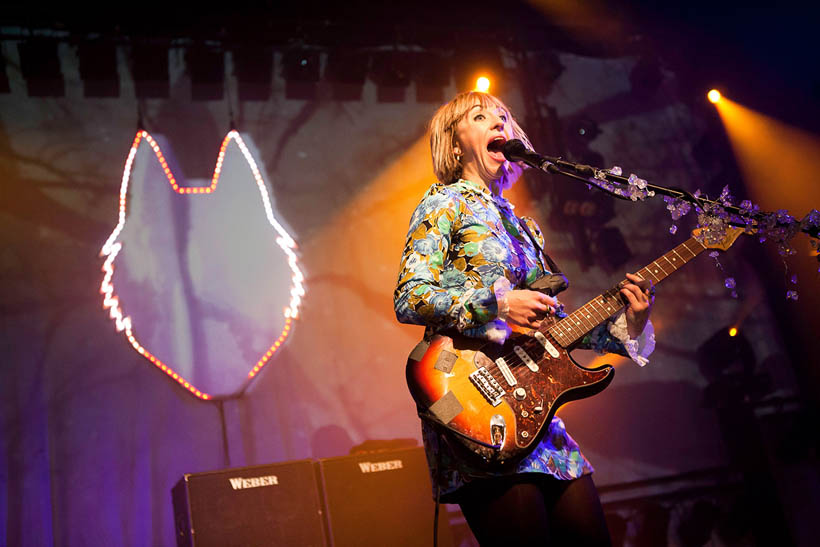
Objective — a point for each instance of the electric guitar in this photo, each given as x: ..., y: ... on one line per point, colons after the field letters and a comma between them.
x: 498, y: 400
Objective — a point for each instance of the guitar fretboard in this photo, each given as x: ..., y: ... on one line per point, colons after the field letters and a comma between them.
x: 576, y: 325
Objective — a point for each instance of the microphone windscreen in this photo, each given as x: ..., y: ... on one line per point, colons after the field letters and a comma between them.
x: 514, y: 150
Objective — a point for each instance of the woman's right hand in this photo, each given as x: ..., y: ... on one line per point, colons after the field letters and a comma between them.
x: 529, y: 308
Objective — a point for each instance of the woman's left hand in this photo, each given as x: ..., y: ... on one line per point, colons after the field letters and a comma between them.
x: 640, y: 303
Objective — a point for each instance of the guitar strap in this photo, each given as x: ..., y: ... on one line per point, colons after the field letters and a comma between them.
x: 553, y: 266
x: 554, y: 283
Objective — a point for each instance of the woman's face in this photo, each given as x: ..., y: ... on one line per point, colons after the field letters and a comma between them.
x: 480, y: 134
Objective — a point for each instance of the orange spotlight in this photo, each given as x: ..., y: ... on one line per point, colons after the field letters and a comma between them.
x: 733, y: 331
x: 714, y: 96
x: 789, y: 182
x: 482, y: 84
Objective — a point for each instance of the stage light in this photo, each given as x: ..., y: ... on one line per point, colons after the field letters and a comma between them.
x: 253, y: 68
x: 206, y: 67
x: 346, y: 71
x: 469, y: 63
x: 391, y: 71
x: 98, y: 69
x: 149, y: 63
x: 713, y: 96
x: 40, y: 65
x: 482, y: 84
x: 300, y: 68
x: 733, y: 331
x: 432, y: 73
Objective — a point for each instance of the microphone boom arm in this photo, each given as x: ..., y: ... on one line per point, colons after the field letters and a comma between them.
x: 606, y: 180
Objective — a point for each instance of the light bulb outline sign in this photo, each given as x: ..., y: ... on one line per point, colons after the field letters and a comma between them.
x: 233, y: 144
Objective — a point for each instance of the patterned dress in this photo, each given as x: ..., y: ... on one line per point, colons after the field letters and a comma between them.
x: 465, y: 249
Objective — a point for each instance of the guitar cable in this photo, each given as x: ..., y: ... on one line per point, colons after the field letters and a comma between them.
x: 438, y: 492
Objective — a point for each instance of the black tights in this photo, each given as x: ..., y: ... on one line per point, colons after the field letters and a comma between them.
x: 534, y: 509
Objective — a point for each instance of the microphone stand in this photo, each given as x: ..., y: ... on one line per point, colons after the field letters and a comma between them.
x: 606, y: 180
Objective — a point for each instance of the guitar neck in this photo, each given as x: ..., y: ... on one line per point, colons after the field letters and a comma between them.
x: 576, y: 325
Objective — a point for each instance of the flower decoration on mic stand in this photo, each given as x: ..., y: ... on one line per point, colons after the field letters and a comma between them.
x: 779, y: 227
x: 635, y: 188
x: 715, y: 217
x: 677, y: 208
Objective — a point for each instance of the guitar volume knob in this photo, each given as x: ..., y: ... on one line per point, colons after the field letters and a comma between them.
x: 519, y: 393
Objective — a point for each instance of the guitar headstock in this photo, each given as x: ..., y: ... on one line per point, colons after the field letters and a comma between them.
x: 719, y: 241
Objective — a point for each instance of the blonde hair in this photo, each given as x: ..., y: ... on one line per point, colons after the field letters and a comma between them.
x: 446, y: 165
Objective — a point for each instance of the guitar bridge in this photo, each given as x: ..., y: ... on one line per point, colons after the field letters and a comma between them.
x: 487, y: 385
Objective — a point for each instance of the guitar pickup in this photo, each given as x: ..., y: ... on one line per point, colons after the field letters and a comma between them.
x: 505, y: 371
x: 547, y: 345
x: 524, y: 356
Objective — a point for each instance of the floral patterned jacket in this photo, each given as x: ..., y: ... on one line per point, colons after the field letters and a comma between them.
x: 465, y: 249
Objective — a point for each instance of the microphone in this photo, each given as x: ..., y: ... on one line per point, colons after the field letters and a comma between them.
x: 515, y: 150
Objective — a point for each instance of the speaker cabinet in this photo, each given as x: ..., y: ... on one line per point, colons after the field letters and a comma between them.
x: 248, y: 506
x: 381, y: 498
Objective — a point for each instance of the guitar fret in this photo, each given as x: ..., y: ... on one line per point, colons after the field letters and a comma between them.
x: 559, y: 332
x: 574, y: 326
x: 613, y: 302
x: 601, y: 315
x: 650, y: 274
x: 573, y: 322
x: 614, y: 295
x: 590, y: 314
x: 655, y: 262
x: 606, y: 307
x: 565, y: 340
x: 580, y: 313
x: 686, y: 246
x: 569, y: 333
x: 577, y: 317
x: 653, y: 275
x: 674, y: 269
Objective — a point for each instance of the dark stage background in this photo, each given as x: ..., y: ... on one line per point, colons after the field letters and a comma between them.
x: 714, y: 442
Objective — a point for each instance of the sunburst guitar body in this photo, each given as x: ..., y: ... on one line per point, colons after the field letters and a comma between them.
x: 498, y: 401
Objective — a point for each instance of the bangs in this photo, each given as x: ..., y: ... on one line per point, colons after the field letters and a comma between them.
x: 466, y: 101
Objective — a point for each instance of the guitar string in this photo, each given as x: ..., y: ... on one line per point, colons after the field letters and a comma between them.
x: 644, y: 272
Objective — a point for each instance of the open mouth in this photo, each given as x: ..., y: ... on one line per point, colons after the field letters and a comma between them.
x: 495, y: 147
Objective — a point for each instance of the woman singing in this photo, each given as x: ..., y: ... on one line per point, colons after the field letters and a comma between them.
x: 466, y: 267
